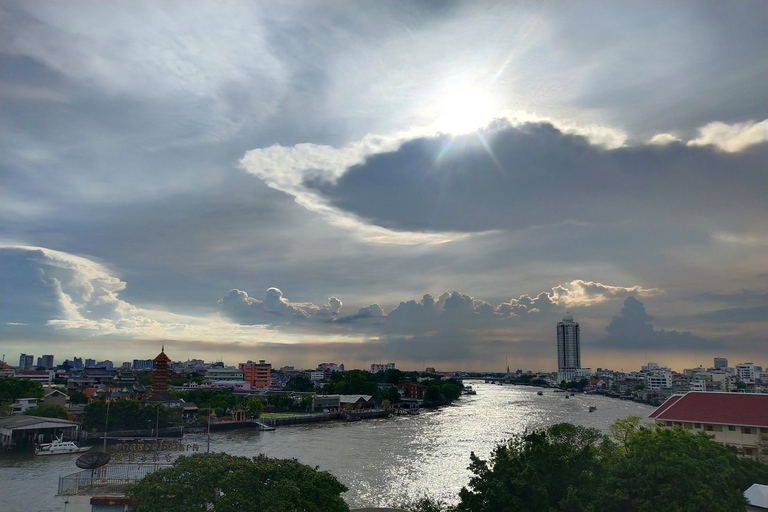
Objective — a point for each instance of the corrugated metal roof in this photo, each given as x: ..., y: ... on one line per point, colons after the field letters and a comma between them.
x: 23, y: 421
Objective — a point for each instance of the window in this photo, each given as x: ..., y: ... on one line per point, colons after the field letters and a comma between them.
x: 732, y: 428
x: 669, y: 423
x: 697, y: 425
x: 746, y: 430
x: 749, y: 452
x: 763, y: 430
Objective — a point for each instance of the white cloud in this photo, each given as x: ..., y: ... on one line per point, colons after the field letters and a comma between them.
x: 732, y: 137
x: 587, y: 293
x: 745, y: 239
x: 87, y: 299
x: 662, y: 139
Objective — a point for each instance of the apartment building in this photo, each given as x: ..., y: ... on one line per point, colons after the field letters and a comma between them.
x: 734, y: 419
x: 258, y: 374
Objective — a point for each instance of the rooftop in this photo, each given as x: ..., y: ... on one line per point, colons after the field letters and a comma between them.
x: 723, y: 408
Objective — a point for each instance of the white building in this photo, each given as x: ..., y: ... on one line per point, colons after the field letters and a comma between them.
x: 376, y: 368
x: 568, y: 349
x: 660, y: 379
x: 224, y: 374
x: 22, y: 404
x: 746, y: 372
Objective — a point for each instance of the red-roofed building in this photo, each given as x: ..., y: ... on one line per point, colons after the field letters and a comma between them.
x: 735, y: 419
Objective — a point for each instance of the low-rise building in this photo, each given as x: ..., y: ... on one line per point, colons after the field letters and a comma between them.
x: 224, y: 374
x: 22, y: 404
x: 412, y: 390
x: 734, y: 419
x: 376, y: 368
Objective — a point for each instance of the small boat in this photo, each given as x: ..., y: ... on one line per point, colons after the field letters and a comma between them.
x: 592, y: 408
x: 540, y: 393
x: 469, y: 391
x: 58, y: 446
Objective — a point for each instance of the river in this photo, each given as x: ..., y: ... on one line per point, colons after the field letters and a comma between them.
x: 384, y: 462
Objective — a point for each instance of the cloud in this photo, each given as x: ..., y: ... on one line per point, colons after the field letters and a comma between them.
x: 632, y: 329
x: 509, y: 177
x: 53, y: 293
x: 734, y: 137
x: 663, y: 138
x: 431, y: 314
x: 273, y: 309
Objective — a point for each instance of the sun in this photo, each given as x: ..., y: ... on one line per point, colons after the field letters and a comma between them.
x: 464, y: 111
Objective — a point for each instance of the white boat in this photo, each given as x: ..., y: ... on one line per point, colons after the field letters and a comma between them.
x: 59, y: 446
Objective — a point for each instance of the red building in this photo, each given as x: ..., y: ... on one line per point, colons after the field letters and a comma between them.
x: 258, y: 374
x: 412, y: 390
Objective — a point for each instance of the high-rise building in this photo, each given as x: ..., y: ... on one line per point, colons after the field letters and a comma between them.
x: 46, y: 361
x: 568, y: 349
x: 721, y: 362
x: 26, y: 362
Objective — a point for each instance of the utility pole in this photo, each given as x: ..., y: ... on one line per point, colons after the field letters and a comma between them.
x: 209, y: 430
x: 106, y: 427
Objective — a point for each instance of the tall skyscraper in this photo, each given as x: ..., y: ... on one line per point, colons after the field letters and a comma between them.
x: 46, y: 361
x: 26, y: 362
x: 721, y: 362
x: 568, y: 349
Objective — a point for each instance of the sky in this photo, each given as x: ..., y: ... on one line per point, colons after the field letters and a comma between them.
x: 426, y: 183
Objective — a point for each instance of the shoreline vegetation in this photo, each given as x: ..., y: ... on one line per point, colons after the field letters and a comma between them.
x: 563, y: 467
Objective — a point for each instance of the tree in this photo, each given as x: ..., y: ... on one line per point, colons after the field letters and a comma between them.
x: 299, y: 383
x: 128, y: 415
x: 255, y: 406
x: 78, y: 397
x: 226, y: 483
x: 675, y: 470
x: 48, y: 411
x: 621, y: 429
x: 560, y: 466
x: 12, y: 388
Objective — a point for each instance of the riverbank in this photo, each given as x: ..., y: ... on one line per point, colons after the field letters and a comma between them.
x: 429, y: 452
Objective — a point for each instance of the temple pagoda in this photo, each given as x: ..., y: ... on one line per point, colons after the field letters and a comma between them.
x: 160, y: 376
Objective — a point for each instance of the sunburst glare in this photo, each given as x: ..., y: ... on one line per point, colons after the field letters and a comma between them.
x: 464, y: 111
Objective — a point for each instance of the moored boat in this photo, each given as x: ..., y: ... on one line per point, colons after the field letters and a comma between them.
x: 58, y: 446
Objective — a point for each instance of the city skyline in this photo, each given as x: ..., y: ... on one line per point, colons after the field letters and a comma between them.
x: 433, y: 184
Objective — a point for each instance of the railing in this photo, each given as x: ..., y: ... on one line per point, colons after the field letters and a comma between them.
x: 107, y: 480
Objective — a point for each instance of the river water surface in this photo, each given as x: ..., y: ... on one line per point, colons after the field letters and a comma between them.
x: 384, y: 462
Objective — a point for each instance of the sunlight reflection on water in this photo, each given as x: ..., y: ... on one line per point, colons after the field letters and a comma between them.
x: 384, y: 462
x: 396, y: 460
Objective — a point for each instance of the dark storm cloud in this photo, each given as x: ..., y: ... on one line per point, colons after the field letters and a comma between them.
x: 632, y: 329
x: 514, y: 177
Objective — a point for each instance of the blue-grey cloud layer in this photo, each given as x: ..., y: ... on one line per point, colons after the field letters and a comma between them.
x: 123, y: 124
x: 516, y: 177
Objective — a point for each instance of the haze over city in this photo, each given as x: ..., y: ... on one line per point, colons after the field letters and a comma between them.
x: 429, y: 183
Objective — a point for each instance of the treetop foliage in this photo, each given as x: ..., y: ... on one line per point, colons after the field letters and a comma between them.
x: 226, y: 483
x: 571, y: 468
